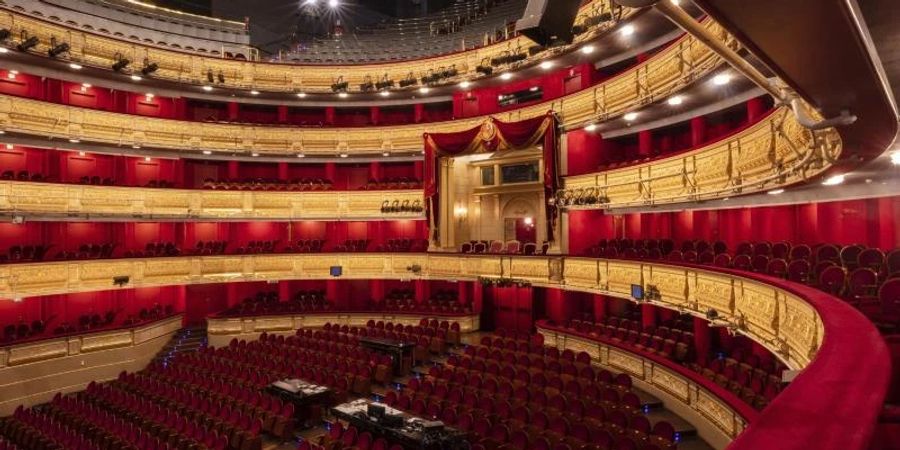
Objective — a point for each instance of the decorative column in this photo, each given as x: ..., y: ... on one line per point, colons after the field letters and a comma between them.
x: 282, y: 114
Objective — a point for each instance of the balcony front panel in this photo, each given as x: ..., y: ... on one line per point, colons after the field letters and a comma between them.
x: 48, y: 200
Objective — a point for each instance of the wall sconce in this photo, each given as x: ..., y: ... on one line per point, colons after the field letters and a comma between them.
x: 461, y: 213
x: 529, y: 221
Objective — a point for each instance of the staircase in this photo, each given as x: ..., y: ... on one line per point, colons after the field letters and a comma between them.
x: 184, y: 341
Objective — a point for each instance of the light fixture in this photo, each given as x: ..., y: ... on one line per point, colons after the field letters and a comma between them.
x: 254, y: 92
x: 149, y: 67
x: 136, y: 146
x: 75, y: 66
x: 80, y: 153
x: 895, y: 158
x: 333, y: 3
x: 149, y: 96
x: 628, y: 30
x: 676, y: 100
x: 147, y: 158
x: 343, y: 95
x: 721, y: 79
x: 58, y: 49
x: 9, y: 146
x: 74, y: 140
x: 833, y: 181
x: 301, y: 94
x: 4, y: 50
x: 629, y: 117
x: 385, y: 93
x: 676, y: 2
x: 12, y: 74
x: 207, y: 152
x: 207, y: 88
x: 28, y: 43
x: 546, y: 65
x: 121, y: 63
x: 86, y: 85
x: 465, y: 84
x: 506, y: 76
x: 2, y: 132
x: 136, y: 78
x: 301, y: 155
x: 529, y: 221
x: 344, y: 155
x: 591, y: 128
x: 254, y: 154
x: 588, y: 49
x: 424, y: 90
x: 386, y: 154
x: 776, y: 192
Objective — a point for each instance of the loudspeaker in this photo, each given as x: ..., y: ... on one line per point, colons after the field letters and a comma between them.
x: 547, y: 27
x: 121, y: 280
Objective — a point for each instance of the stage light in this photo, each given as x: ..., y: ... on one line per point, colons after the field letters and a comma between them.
x: 149, y: 67
x: 834, y: 181
x: 506, y: 76
x: 385, y: 93
x: 254, y: 154
x: 207, y: 88
x: 209, y: 76
x: 58, y: 49
x: 344, y: 155
x: 121, y: 63
x: 136, y: 78
x: 776, y: 192
x: 629, y: 117
x: 254, y: 92
x: 301, y: 155
x: 721, y: 79
x: 676, y: 100
x: 28, y: 43
x: 220, y: 77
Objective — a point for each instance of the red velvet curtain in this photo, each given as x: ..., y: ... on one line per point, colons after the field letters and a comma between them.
x: 493, y: 136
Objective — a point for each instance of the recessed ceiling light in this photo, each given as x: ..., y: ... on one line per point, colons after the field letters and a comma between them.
x: 506, y: 76
x: 895, y: 158
x: 333, y: 3
x: 4, y: 50
x: 628, y: 30
x: 75, y: 66
x: 254, y: 154
x: 424, y: 90
x: 676, y: 100
x: 546, y: 65
x: 721, y: 79
x: 676, y: 2
x: 301, y: 94
x: 301, y: 155
x: 344, y: 155
x: 343, y: 95
x: 385, y: 93
x: 74, y: 140
x: 588, y: 49
x: 147, y: 158
x: 207, y: 88
x: 591, y: 128
x: 834, y: 181
x: 776, y: 192
x: 254, y: 92
x: 386, y: 154
x: 136, y: 78
x: 465, y: 84
x: 207, y: 152
x: 629, y: 117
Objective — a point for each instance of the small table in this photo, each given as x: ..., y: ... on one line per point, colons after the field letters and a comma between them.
x: 399, y: 351
x: 411, y: 432
x: 302, y: 394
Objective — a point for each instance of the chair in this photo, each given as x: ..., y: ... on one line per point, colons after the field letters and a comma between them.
x: 801, y: 251
x: 777, y: 267
x: 833, y: 280
x: 798, y: 271
x: 872, y: 258
x: 529, y: 249
x: 466, y: 248
x: 742, y: 262
x: 862, y: 286
x: 722, y: 260
x: 496, y: 247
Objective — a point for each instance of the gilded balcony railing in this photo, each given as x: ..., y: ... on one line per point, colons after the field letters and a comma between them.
x: 61, y: 200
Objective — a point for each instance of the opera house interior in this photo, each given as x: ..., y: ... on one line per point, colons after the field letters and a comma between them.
x: 449, y: 225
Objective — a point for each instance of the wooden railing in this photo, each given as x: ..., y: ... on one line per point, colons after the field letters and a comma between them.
x: 670, y: 70
x: 100, y: 50
x: 63, y: 200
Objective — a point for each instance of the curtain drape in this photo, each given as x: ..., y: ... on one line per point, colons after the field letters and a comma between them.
x: 493, y: 136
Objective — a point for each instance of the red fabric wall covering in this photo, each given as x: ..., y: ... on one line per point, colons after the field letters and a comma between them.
x: 510, y: 308
x: 871, y: 222
x: 56, y: 309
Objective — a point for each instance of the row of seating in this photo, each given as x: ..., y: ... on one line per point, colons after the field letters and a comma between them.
x: 268, y: 184
x: 25, y: 253
x: 38, y: 329
x: 512, y: 247
x: 392, y: 183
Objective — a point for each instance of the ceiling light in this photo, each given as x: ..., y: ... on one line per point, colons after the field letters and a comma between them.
x: 254, y: 154
x: 74, y: 140
x: 676, y: 2
x: 86, y: 85
x: 546, y: 65
x: 506, y: 76
x: 147, y: 158
x: 149, y: 95
x: 721, y: 79
x: 75, y: 66
x: 301, y: 155
x: 254, y: 92
x: 343, y: 95
x: 2, y: 132
x: 4, y: 50
x: 384, y: 93
x: 676, y: 100
x: 386, y: 154
x: 465, y: 84
x: 628, y: 30
x: 587, y: 49
x: 9, y: 146
x: 424, y: 90
x: 629, y: 117
x: 334, y: 3
x: 833, y: 181
x: 344, y: 155
x: 207, y: 152
x: 591, y: 128
x: 12, y: 74
x: 136, y: 78
x: 776, y: 192
x: 207, y: 88
x: 301, y: 94
x: 136, y: 146
x: 80, y: 153
x: 895, y: 158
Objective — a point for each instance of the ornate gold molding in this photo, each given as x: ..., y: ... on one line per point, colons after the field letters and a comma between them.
x: 657, y: 377
x: 775, y: 318
x: 100, y: 50
x: 672, y: 69
x: 49, y: 200
x: 775, y: 152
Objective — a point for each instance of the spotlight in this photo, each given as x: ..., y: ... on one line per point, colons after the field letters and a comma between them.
x: 834, y: 181
x: 465, y: 84
x: 301, y: 94
x: 209, y: 76
x: 424, y: 90
x: 58, y: 49
x: 587, y: 49
x: 895, y: 158
x: 149, y: 67
x: 120, y: 64
x: 221, y: 77
x: 28, y: 43
x: 342, y: 95
x: 207, y: 152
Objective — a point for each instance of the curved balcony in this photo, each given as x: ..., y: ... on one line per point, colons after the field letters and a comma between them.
x: 775, y: 152
x: 101, y: 50
x: 672, y: 69
x: 48, y: 200
x: 807, y: 329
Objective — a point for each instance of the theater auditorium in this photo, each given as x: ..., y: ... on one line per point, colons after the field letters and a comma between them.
x: 449, y: 225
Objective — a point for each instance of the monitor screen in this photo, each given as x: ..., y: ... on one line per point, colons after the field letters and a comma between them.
x: 336, y: 271
x: 637, y: 291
